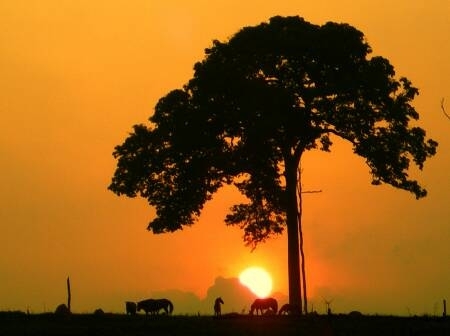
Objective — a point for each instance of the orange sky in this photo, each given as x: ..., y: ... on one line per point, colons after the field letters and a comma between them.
x: 76, y: 75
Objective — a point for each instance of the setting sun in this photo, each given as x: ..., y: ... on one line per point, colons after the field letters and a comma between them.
x: 258, y: 280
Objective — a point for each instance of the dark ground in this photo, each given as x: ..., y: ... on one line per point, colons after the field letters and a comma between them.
x: 12, y: 324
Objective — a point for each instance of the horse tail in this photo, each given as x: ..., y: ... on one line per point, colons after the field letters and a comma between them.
x: 170, y: 306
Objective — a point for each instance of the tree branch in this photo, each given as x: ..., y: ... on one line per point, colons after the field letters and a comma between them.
x: 311, y: 191
x: 343, y: 136
x: 443, y: 109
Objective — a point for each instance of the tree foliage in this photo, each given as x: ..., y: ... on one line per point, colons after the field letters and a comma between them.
x: 255, y: 104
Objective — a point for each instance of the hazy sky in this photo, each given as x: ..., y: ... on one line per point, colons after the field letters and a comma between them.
x: 76, y: 75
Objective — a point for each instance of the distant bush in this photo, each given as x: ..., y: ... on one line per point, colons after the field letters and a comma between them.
x: 62, y: 310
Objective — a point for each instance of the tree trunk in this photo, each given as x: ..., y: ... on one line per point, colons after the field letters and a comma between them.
x: 295, y: 295
x: 302, y: 252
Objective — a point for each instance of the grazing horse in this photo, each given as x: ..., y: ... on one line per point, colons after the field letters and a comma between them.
x: 285, y: 309
x: 153, y: 306
x: 263, y: 304
x: 217, y: 307
x: 130, y: 307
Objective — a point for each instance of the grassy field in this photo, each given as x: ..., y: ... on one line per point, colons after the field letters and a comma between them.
x: 12, y: 324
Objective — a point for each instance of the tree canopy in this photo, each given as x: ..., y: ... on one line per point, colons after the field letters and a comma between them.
x: 254, y: 105
x: 261, y: 99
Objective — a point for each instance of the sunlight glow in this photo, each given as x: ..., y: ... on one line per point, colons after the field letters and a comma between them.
x: 258, y: 280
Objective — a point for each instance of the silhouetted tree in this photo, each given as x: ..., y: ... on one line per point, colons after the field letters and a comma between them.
x: 255, y: 104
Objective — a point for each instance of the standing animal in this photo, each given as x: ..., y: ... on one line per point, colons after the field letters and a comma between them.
x: 217, y: 306
x: 285, y: 309
x: 130, y: 307
x: 153, y: 306
x: 263, y: 304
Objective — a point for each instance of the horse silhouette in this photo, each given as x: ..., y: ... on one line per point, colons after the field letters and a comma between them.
x: 217, y: 307
x: 130, y: 307
x: 285, y: 309
x: 264, y: 304
x: 153, y: 306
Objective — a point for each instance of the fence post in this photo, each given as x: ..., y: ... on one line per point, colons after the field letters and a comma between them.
x: 69, y: 296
